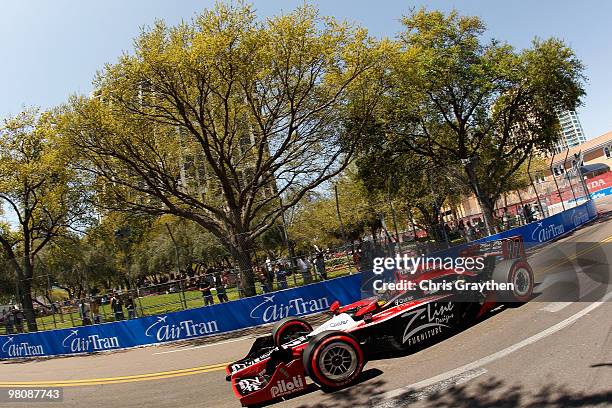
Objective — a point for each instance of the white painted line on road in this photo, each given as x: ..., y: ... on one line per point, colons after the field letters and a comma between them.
x: 568, y: 276
x: 586, y: 287
x: 204, y: 345
x: 554, y: 307
x: 436, y: 387
x: 495, y: 356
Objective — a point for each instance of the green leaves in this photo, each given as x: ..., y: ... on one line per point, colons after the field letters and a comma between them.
x: 474, y: 109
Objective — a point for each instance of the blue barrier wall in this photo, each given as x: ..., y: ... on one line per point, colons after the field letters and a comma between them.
x: 534, y: 234
x: 239, y: 314
x: 550, y: 228
x: 198, y: 322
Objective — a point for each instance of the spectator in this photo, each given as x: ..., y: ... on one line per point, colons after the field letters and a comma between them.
x: 269, y: 276
x: 461, y: 229
x: 304, y: 266
x: 9, y: 321
x: 116, y: 305
x: 206, y: 293
x: 221, y: 285
x: 19, y: 320
x: 281, y: 276
x: 536, y: 213
x: 131, y: 308
x: 95, y: 311
x: 527, y: 214
x: 261, y: 274
x: 84, y: 312
x: 320, y: 265
x: 470, y: 233
x: 357, y: 259
x: 506, y: 219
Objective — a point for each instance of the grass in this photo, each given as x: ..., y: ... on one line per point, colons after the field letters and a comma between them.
x: 165, y: 303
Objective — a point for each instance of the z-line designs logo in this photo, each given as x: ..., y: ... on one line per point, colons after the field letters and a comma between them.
x: 269, y: 311
x: 163, y: 331
x: 92, y: 342
x: 429, y: 321
x: 23, y: 349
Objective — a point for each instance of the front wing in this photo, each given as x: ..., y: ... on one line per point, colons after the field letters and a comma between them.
x: 257, y: 388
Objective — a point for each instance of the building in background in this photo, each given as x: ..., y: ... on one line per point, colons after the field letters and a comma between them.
x: 571, y: 131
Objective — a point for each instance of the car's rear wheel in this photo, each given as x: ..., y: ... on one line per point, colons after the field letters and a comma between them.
x: 289, y: 329
x: 333, y: 359
x: 520, y: 276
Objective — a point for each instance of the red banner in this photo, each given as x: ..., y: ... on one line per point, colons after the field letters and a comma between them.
x: 600, y: 182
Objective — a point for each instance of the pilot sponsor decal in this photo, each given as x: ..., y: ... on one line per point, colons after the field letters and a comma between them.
x: 285, y: 387
x: 270, y: 311
x: 162, y: 330
x: 427, y: 322
x: 21, y: 349
x: 89, y: 343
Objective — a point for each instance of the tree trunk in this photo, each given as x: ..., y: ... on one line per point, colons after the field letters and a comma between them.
x: 485, y: 203
x: 240, y: 248
x: 488, y: 208
x: 27, y: 304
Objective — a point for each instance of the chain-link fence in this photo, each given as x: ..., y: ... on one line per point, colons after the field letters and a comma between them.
x: 170, y: 293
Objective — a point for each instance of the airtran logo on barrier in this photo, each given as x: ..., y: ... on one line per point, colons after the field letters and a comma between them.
x: 579, y: 217
x: 164, y: 331
x: 543, y: 233
x: 270, y: 311
x: 90, y: 343
x: 22, y: 349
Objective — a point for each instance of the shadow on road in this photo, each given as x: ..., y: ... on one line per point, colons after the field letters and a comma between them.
x: 494, y: 393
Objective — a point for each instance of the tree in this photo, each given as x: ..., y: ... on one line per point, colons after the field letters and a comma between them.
x: 389, y: 169
x: 44, y: 195
x: 217, y: 119
x: 480, y: 107
x: 316, y: 222
x: 156, y: 253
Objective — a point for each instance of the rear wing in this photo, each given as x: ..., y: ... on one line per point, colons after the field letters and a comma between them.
x: 506, y: 248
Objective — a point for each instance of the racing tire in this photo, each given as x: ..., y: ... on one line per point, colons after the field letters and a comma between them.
x: 333, y: 359
x: 519, y: 273
x: 289, y: 329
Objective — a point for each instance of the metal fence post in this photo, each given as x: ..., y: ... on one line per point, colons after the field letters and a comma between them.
x: 569, y: 180
x: 535, y: 190
x: 552, y: 172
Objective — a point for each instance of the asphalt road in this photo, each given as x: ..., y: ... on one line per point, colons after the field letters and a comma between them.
x: 546, y: 353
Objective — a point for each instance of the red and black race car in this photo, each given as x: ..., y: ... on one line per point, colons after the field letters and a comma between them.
x: 334, y: 354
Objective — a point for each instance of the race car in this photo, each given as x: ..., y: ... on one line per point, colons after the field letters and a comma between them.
x: 333, y: 355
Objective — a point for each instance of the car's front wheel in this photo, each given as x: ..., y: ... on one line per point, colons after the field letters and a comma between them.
x: 289, y: 329
x: 333, y: 359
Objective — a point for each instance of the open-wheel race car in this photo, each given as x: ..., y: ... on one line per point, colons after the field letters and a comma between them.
x: 334, y: 354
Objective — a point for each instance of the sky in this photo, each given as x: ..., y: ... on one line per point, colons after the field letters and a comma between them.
x: 52, y: 49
